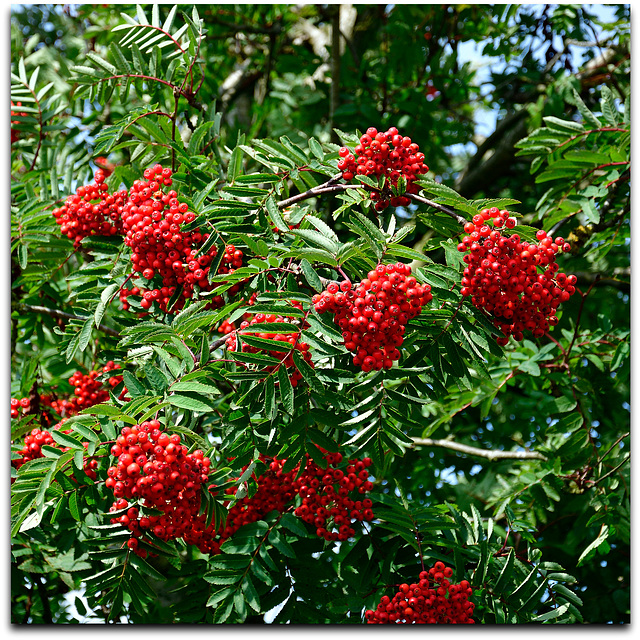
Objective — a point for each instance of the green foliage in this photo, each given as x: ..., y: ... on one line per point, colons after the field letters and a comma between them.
x: 480, y: 454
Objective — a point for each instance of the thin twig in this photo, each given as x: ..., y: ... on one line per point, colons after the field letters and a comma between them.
x: 63, y: 315
x: 475, y: 451
x: 450, y: 212
x: 606, y: 475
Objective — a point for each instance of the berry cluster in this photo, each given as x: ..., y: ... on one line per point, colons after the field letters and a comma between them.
x: 35, y: 405
x: 19, y: 406
x: 517, y: 283
x: 155, y: 469
x: 384, y: 154
x: 32, y: 447
x: 91, y: 211
x: 88, y: 390
x: 153, y: 225
x: 37, y: 438
x: 431, y: 600
x: 325, y: 492
x: 374, y: 314
x: 274, y: 493
x: 284, y: 344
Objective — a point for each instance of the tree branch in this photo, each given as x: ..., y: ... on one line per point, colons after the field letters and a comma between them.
x: 475, y: 451
x: 63, y: 315
x: 440, y: 207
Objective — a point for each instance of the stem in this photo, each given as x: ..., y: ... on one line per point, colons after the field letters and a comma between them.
x: 575, y: 333
x: 604, y: 455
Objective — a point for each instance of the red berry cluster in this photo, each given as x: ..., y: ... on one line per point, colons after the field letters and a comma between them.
x: 34, y: 406
x: 32, y: 447
x: 431, y: 600
x: 274, y: 493
x: 18, y: 406
x: 384, y: 154
x: 373, y: 315
x: 282, y: 353
x: 226, y: 327
x: 37, y: 438
x: 519, y: 284
x: 153, y: 223
x: 91, y: 211
x: 89, y: 390
x: 325, y: 492
x: 156, y: 470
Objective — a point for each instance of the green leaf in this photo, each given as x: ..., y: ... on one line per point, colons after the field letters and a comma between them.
x: 553, y: 614
x: 565, y: 126
x: 281, y: 544
x: 134, y: 387
x: 66, y: 440
x: 311, y: 276
x: 590, y: 551
x: 308, y: 373
x: 318, y: 239
x: 250, y: 594
x: 275, y: 215
x: 506, y: 572
x: 195, y: 386
x: 590, y: 119
x: 286, y: 390
x: 192, y: 401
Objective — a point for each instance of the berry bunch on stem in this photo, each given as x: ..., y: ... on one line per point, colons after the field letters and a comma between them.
x: 326, y: 496
x: 37, y: 438
x: 156, y: 470
x: 434, y: 599
x: 154, y: 222
x: 374, y: 314
x: 384, y: 154
x: 88, y: 390
x: 517, y: 283
x: 91, y: 211
x: 326, y: 492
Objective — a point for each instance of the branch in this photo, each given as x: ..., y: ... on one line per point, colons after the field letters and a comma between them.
x: 326, y: 187
x: 474, y: 451
x: 63, y: 315
x: 450, y: 212
x: 606, y: 475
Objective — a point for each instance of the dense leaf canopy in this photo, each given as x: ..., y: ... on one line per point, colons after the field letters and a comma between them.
x: 181, y: 228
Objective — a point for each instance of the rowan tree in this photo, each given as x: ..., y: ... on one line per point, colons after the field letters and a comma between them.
x: 292, y: 342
